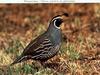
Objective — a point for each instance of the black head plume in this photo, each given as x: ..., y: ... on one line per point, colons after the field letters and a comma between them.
x: 65, y: 14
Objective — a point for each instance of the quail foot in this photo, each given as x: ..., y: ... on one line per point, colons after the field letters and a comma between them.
x: 46, y: 45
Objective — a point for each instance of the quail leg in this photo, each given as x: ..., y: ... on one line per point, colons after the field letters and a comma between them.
x: 42, y: 63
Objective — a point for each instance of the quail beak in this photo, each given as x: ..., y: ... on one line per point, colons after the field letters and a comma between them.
x: 65, y: 18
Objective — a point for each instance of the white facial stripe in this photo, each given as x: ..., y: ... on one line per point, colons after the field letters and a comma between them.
x: 55, y: 25
x: 56, y: 18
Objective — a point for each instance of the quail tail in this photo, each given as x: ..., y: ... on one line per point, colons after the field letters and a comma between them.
x: 18, y: 60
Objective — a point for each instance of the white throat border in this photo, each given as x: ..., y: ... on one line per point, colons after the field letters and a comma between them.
x: 55, y: 21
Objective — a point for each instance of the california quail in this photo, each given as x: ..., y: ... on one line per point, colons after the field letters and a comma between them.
x: 46, y: 45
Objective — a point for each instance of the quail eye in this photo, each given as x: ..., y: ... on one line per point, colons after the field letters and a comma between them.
x: 57, y: 22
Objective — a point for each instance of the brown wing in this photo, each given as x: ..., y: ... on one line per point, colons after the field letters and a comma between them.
x: 46, y: 53
x: 35, y: 46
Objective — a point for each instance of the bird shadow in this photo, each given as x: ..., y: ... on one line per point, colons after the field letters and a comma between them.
x: 46, y: 65
x: 51, y: 65
x: 58, y: 67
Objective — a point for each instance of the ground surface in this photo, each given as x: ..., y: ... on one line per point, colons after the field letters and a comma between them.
x: 80, y: 51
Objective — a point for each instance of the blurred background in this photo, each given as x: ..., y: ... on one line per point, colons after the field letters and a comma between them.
x: 20, y: 23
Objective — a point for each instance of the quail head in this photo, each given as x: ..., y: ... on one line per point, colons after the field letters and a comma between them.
x: 46, y: 45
